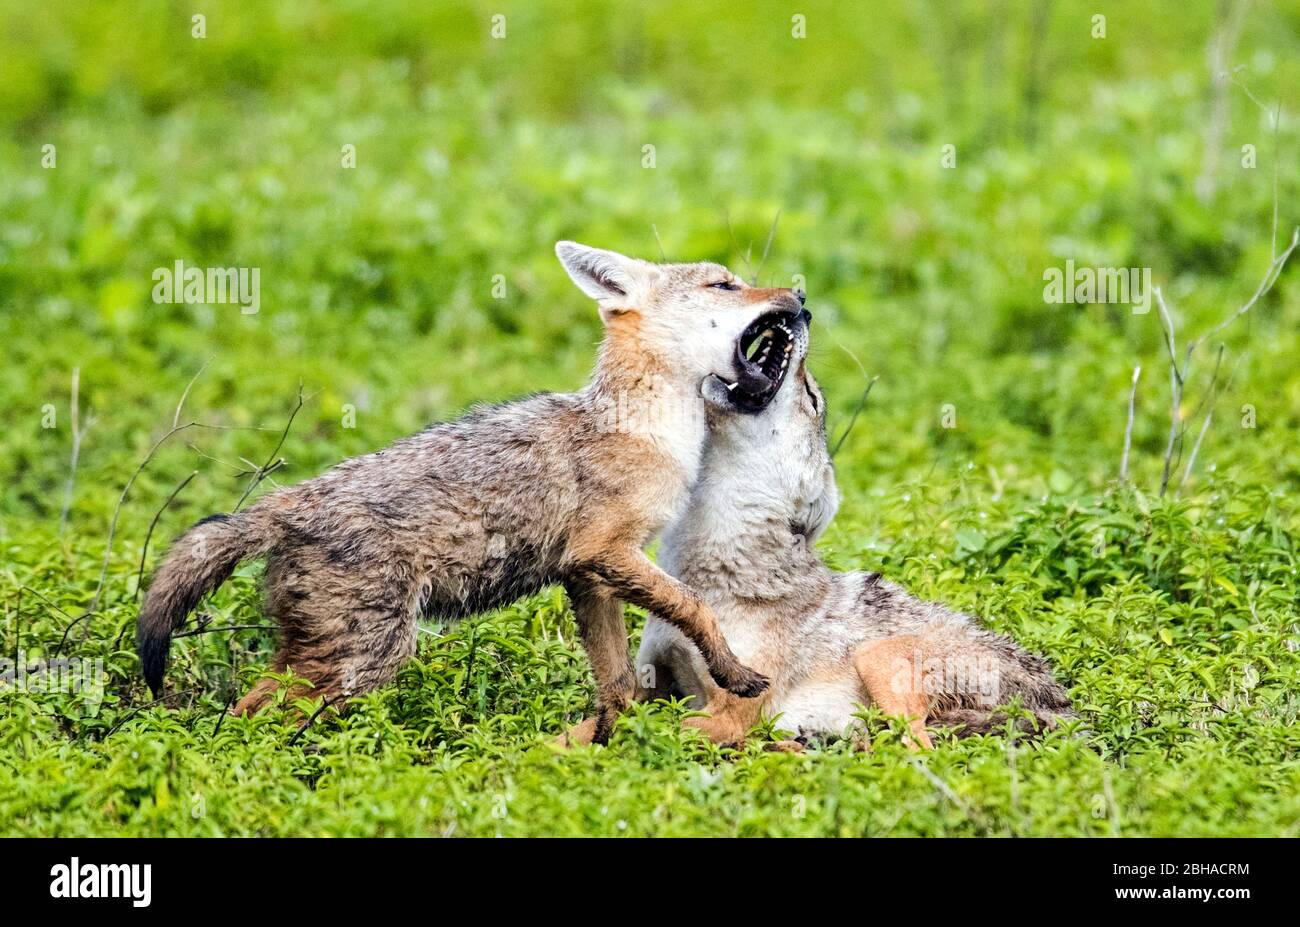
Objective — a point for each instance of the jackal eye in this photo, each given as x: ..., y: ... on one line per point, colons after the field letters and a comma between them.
x: 723, y: 285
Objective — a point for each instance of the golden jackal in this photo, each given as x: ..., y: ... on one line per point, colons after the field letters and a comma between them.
x: 830, y: 642
x: 472, y: 514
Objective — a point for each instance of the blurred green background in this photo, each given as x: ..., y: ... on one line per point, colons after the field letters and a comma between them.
x: 473, y: 155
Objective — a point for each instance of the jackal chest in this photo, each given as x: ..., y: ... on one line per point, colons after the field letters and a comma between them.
x: 666, y: 503
x: 665, y: 491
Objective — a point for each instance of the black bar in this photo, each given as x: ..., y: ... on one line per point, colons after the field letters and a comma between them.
x: 304, y: 876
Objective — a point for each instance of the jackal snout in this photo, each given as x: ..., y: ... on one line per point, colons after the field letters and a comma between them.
x: 778, y: 299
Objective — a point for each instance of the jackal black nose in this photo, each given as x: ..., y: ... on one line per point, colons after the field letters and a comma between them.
x: 805, y: 315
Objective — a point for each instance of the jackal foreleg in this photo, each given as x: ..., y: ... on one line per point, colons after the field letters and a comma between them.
x: 726, y: 719
x: 604, y: 636
x: 630, y: 575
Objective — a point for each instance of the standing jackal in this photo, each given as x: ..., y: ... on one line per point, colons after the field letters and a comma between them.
x: 472, y: 514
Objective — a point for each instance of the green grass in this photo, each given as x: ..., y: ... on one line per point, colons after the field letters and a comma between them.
x: 1173, y: 620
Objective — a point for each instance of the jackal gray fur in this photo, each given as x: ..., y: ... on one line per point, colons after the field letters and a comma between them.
x: 830, y: 642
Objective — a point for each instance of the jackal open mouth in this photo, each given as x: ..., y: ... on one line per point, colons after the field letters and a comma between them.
x: 763, y: 353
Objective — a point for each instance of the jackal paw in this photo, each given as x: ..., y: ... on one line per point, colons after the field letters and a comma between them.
x: 784, y: 746
x: 743, y: 681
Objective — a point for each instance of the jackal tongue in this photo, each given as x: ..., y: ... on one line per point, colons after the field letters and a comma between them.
x: 749, y: 376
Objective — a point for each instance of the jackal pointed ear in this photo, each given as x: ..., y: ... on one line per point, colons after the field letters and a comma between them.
x: 618, y: 283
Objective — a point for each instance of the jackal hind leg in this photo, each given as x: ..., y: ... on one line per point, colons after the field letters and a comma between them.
x: 341, y: 647
x: 891, y: 674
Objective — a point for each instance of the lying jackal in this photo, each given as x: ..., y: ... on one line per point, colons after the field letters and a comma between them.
x: 830, y: 642
x: 470, y: 515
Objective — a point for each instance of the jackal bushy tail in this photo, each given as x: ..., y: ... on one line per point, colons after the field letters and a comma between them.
x: 991, y: 670
x: 199, y: 561
x: 967, y: 722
